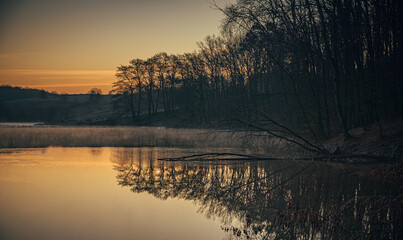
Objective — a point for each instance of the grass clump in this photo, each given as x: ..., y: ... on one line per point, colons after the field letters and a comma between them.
x: 63, y: 136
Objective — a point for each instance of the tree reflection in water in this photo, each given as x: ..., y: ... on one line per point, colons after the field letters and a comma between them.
x: 268, y: 200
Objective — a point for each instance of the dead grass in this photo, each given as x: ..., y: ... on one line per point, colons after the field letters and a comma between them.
x: 63, y: 136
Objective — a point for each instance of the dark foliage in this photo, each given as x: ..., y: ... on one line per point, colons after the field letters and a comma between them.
x: 317, y: 67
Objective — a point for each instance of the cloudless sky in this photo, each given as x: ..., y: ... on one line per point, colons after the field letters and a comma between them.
x: 73, y: 45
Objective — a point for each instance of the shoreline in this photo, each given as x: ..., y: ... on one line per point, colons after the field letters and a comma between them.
x: 39, y: 135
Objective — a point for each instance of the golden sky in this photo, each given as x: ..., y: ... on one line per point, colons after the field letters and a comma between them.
x: 72, y: 46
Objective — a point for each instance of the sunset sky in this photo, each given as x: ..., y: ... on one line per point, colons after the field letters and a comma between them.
x: 72, y: 46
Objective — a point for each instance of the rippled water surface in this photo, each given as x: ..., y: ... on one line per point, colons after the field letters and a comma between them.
x: 125, y: 193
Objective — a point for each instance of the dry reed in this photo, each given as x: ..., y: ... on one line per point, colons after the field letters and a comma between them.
x: 64, y: 136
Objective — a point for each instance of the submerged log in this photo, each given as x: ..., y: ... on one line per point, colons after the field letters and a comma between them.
x: 362, y: 158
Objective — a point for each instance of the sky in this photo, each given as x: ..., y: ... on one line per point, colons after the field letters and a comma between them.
x: 70, y: 46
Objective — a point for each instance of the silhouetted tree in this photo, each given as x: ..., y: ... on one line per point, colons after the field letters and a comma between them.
x: 317, y: 67
x: 124, y: 89
x: 95, y: 94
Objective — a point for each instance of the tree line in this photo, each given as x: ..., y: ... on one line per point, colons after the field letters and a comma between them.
x: 287, y: 67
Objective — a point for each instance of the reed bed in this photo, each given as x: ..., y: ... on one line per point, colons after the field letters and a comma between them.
x: 64, y: 136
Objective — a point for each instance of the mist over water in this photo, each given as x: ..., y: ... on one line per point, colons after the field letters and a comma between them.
x: 284, y: 123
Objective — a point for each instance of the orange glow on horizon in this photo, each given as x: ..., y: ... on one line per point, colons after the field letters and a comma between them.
x: 61, y: 81
x: 40, y: 37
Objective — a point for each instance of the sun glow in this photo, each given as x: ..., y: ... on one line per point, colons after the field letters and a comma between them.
x: 91, y: 40
x: 70, y: 81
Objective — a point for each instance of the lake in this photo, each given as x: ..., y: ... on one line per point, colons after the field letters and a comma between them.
x: 126, y: 193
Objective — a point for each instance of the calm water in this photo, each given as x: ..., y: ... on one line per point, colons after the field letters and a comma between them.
x: 125, y: 193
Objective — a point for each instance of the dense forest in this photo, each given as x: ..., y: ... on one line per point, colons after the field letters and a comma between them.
x: 307, y: 68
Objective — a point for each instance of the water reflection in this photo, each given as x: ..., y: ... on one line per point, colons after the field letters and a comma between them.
x: 71, y: 193
x: 266, y: 200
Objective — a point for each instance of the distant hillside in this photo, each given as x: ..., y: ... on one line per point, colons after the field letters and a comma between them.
x: 8, y: 93
x: 34, y: 105
x: 28, y: 105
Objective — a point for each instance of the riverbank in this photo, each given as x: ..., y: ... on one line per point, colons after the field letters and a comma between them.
x: 390, y: 144
x: 17, y: 135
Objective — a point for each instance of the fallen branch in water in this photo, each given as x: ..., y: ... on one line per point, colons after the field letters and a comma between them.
x: 206, y: 155
x: 243, y: 157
